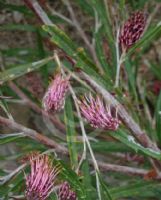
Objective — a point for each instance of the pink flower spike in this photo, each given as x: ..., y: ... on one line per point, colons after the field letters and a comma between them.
x: 132, y: 30
x: 65, y: 193
x: 54, y: 98
x: 40, y: 181
x: 97, y: 114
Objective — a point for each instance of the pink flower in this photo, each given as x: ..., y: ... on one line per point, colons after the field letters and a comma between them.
x: 65, y: 193
x: 40, y: 182
x: 97, y: 114
x: 132, y: 30
x: 54, y: 98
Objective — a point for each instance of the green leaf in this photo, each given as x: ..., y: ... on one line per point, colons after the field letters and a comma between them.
x: 64, y: 42
x: 122, y: 4
x: 53, y: 196
x: 78, y: 54
x: 87, y: 180
x: 155, y: 69
x: 17, y: 27
x: 21, y: 52
x: 105, y: 190
x: 158, y: 118
x: 85, y: 6
x: 131, y: 76
x: 12, y: 7
x: 42, y: 54
x: 6, y: 138
x: 20, y: 70
x: 100, y: 53
x: 130, y: 141
x: 4, y: 106
x: 109, y: 147
x: 138, y: 189
x: 149, y: 36
x: 7, y: 178
x: 101, y: 7
x: 71, y: 132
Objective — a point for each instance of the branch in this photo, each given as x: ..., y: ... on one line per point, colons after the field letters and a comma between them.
x: 81, y: 32
x: 122, y: 169
x: 33, y: 134
x: 36, y: 8
x: 54, y: 12
x: 6, y: 178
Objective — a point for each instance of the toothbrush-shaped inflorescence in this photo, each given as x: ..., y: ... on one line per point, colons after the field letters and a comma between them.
x: 98, y: 114
x: 65, y: 192
x: 40, y: 181
x: 54, y: 98
x: 132, y: 30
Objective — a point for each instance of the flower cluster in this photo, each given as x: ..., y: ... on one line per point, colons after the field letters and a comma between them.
x: 132, y: 30
x: 40, y: 182
x: 65, y: 193
x: 97, y: 114
x: 54, y: 98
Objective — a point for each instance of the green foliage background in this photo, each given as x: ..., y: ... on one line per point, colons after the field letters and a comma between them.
x: 139, y: 99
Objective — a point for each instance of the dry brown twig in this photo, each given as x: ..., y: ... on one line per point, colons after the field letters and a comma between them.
x: 33, y: 134
x: 82, y: 34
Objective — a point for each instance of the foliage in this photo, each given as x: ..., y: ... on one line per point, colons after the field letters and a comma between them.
x: 83, y: 35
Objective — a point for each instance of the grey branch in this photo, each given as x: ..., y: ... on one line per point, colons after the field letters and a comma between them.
x: 33, y: 134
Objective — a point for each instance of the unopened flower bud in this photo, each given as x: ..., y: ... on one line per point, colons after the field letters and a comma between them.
x: 132, y: 30
x: 98, y: 114
x: 65, y: 193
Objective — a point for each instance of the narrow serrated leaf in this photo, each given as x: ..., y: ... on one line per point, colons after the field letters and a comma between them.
x: 15, y: 72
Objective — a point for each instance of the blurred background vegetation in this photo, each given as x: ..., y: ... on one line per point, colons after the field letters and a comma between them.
x: 91, y: 26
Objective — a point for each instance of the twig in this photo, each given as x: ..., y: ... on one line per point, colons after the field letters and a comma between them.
x: 83, y: 35
x: 97, y: 26
x: 122, y: 169
x: 54, y: 12
x: 127, y: 170
x: 119, y: 59
x: 76, y: 23
x: 33, y: 134
x: 5, y: 179
x: 36, y: 8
